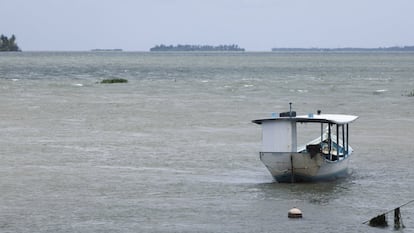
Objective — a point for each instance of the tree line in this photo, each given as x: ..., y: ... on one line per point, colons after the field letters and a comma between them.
x: 7, y: 44
x: 350, y: 49
x: 179, y: 47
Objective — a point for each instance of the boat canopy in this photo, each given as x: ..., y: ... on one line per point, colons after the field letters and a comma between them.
x: 338, y: 119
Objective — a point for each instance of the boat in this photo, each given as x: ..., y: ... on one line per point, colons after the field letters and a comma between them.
x: 324, y: 158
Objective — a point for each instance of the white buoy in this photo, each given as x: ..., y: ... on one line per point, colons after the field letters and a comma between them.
x: 295, y: 213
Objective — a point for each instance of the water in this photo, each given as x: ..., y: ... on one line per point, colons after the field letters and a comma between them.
x: 174, y: 149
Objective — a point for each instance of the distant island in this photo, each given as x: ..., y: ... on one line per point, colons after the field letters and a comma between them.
x: 106, y: 50
x: 159, y: 48
x: 385, y: 49
x: 8, y: 45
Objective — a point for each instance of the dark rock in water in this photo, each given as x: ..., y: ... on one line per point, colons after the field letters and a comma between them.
x: 114, y: 80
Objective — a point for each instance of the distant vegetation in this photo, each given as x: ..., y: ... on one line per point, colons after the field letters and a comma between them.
x: 196, y: 48
x: 7, y: 44
x: 385, y: 49
x: 106, y: 50
x: 114, y: 80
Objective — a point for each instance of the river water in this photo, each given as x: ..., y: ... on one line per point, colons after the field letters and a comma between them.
x: 174, y: 149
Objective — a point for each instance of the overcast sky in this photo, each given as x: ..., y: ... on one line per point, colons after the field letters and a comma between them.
x: 257, y: 25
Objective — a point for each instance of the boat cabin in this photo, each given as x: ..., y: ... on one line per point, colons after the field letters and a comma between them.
x: 279, y: 134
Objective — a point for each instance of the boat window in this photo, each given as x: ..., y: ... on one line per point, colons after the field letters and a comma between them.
x: 332, y: 139
x: 307, y: 132
x: 334, y: 143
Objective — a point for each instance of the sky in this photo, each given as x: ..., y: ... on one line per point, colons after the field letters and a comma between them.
x: 256, y: 25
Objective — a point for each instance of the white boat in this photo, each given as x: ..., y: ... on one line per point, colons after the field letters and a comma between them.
x: 322, y: 159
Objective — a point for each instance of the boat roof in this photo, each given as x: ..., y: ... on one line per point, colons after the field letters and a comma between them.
x: 321, y: 118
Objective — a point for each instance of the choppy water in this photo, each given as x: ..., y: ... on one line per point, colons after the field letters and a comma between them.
x: 174, y: 149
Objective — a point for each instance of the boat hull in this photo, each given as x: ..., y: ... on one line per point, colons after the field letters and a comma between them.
x: 290, y: 167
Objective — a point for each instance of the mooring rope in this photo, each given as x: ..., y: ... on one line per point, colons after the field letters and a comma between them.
x: 380, y: 219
